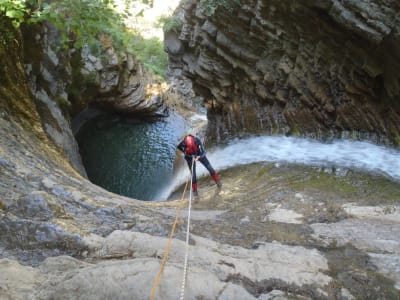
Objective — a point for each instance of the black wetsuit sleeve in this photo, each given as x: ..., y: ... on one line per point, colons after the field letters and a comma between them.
x: 182, y: 146
x: 201, y: 151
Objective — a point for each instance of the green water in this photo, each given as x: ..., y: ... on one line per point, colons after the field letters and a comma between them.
x: 130, y: 157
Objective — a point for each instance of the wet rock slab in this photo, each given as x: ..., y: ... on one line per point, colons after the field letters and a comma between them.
x: 350, y: 217
x: 223, y: 269
x: 272, y: 231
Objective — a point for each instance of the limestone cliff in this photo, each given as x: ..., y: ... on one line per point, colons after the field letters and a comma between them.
x: 273, y: 231
x: 323, y: 68
x: 117, y: 81
x: 64, y: 83
x: 42, y: 178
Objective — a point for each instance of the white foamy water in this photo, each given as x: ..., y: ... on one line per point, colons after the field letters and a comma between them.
x: 342, y: 153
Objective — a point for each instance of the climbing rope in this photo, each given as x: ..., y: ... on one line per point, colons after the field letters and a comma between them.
x: 187, y: 236
x: 168, y: 247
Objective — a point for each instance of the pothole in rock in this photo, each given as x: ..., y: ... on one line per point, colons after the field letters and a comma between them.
x: 128, y: 156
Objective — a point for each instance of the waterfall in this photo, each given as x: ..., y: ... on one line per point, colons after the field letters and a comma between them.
x: 358, y: 155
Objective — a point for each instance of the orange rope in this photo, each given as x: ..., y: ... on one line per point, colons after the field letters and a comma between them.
x: 167, y: 248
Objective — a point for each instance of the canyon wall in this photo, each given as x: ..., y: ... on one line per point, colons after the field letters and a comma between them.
x: 64, y: 82
x: 63, y: 237
x: 44, y: 193
x: 320, y: 69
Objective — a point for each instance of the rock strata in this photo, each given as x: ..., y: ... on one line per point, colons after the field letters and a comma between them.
x: 120, y: 83
x: 64, y: 83
x: 273, y: 230
x: 239, y: 247
x: 310, y: 68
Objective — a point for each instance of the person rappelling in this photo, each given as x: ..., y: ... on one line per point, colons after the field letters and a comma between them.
x: 193, y: 150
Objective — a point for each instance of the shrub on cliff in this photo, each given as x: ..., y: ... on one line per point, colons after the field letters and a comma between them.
x: 83, y: 21
x: 16, y: 10
x: 209, y: 7
x: 79, y: 21
x: 171, y: 23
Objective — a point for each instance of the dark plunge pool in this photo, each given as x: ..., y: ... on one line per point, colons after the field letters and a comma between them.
x: 130, y: 157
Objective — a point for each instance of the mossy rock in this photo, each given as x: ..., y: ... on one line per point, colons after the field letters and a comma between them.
x: 2, y: 205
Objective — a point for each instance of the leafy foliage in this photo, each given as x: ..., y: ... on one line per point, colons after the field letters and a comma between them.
x: 150, y: 52
x: 170, y: 23
x: 210, y: 6
x: 14, y: 10
x: 84, y: 21
x: 81, y: 21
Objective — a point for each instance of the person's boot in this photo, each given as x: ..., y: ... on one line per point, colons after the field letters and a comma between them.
x: 194, y: 189
x: 219, y: 183
x: 217, y: 180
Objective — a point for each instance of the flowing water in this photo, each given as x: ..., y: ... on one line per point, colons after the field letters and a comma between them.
x: 276, y: 200
x: 136, y: 159
x: 130, y: 157
x: 363, y: 156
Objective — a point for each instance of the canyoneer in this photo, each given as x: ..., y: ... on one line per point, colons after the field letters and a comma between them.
x: 194, y: 151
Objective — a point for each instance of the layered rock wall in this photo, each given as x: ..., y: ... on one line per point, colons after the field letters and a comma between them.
x: 44, y: 194
x: 273, y: 231
x: 312, y: 68
x: 65, y: 82
x: 117, y: 81
x: 42, y: 178
x: 48, y: 73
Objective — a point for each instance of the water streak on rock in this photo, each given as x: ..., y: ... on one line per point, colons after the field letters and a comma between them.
x: 344, y: 153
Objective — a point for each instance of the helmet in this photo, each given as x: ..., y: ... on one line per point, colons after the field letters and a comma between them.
x: 189, y: 141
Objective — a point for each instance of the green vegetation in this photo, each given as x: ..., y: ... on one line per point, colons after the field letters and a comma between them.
x: 318, y: 179
x: 12, y: 14
x: 64, y: 104
x: 79, y: 21
x: 84, y: 21
x: 150, y: 52
x: 2, y: 205
x: 16, y: 10
x: 264, y: 171
x: 170, y: 23
x: 210, y: 6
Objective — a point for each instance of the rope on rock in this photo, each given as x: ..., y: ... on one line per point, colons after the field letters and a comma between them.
x: 187, y: 237
x: 168, y: 247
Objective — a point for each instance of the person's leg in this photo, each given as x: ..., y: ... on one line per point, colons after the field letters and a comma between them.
x: 189, y: 161
x: 210, y: 169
